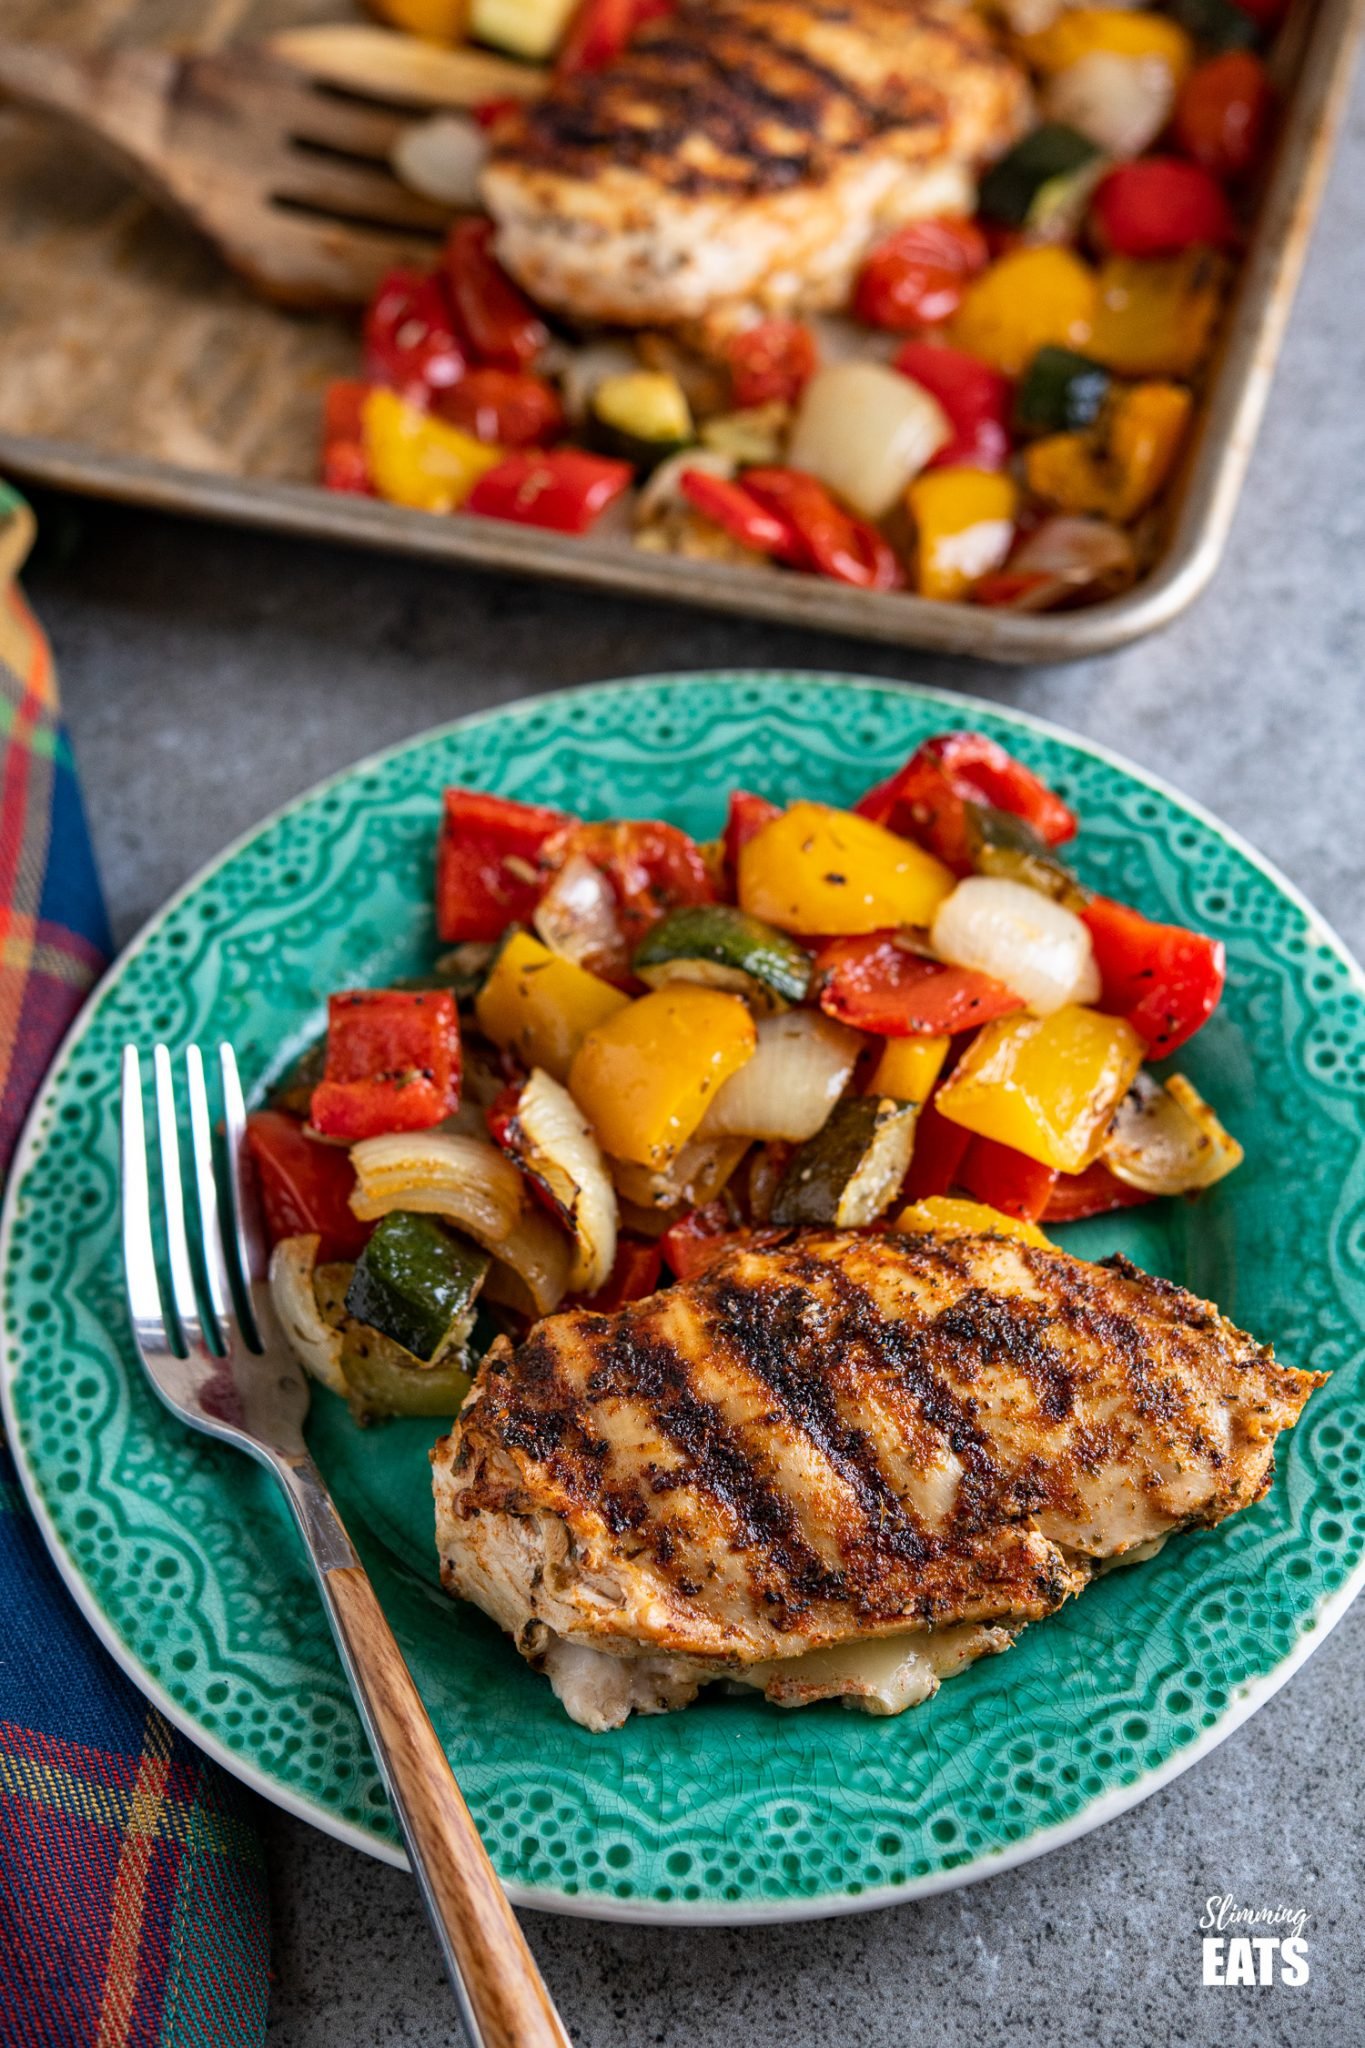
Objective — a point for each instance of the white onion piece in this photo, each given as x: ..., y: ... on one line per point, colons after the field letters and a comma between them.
x: 443, y: 1173
x: 315, y: 1344
x: 561, y: 1151
x: 1075, y: 554
x: 1167, y: 1141
x: 1019, y: 937
x: 694, y: 1178
x: 662, y: 491
x: 801, y: 1064
x: 443, y: 159
x: 577, y: 915
x: 1028, y: 17
x: 536, y: 1255
x: 866, y: 432
x: 1120, y: 103
x: 588, y: 367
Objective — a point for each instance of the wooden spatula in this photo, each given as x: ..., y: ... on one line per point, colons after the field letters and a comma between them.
x: 279, y: 154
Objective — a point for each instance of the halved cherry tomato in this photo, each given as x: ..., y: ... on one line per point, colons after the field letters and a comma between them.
x: 746, y: 816
x: 505, y: 408
x: 345, y: 464
x: 975, y: 398
x: 410, y: 340
x: 832, y: 541
x: 771, y: 361
x: 878, y: 983
x: 635, y: 1274
x: 1159, y: 206
x: 1004, y: 1179
x: 937, y: 1157
x: 563, y: 489
x: 488, y: 863
x: 601, y: 30
x: 652, y: 868
x: 916, y: 278
x: 1165, y: 980
x: 493, y: 315
x: 1092, y: 1193
x: 738, y: 512
x: 924, y: 800
x: 1222, y: 118
x: 305, y: 1186
x: 393, y: 1063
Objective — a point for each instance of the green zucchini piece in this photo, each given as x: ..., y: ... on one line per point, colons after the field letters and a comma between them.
x: 1000, y: 843
x: 852, y: 1169
x: 722, y: 947
x: 642, y: 416
x: 1030, y: 185
x: 1061, y: 393
x: 1219, y: 23
x: 417, y: 1282
x: 383, y: 1379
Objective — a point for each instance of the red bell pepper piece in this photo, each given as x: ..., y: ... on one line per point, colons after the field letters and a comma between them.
x: 1223, y: 114
x: 1164, y: 979
x: 506, y: 408
x: 1159, y: 205
x: 601, y: 29
x: 1095, y: 1192
x: 831, y: 541
x: 772, y: 361
x: 940, y: 1146
x: 305, y: 1186
x: 1005, y: 1179
x: 345, y: 464
x: 410, y: 339
x: 564, y: 490
x: 488, y: 863
x: 876, y: 983
x: 636, y: 1272
x: 701, y: 1237
x: 975, y: 398
x: 738, y: 512
x: 917, y: 277
x: 495, y: 317
x: 393, y: 1063
x: 652, y: 868
x: 924, y: 800
x: 746, y: 816
x: 489, y: 112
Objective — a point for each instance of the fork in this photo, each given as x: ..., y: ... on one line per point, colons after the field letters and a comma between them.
x: 214, y: 1353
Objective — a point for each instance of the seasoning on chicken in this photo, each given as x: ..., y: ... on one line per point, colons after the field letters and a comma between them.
x: 918, y: 1440
x: 744, y: 155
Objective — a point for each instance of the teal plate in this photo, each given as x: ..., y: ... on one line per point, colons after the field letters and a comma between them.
x: 181, y: 1554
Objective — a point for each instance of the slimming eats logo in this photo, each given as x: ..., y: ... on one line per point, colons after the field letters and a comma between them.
x: 1253, y: 1944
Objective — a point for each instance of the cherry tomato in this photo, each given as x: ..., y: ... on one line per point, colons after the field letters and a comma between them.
x: 1158, y: 206
x: 877, y: 983
x: 737, y: 512
x: 506, y: 408
x: 925, y: 800
x: 493, y: 315
x: 652, y: 868
x: 410, y: 339
x: 304, y: 1185
x: 831, y: 541
x: 975, y: 397
x: 564, y: 489
x: 1222, y: 118
x: 771, y: 361
x: 917, y: 277
x: 1165, y: 980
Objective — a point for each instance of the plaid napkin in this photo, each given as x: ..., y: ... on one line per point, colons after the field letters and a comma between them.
x: 132, y: 1892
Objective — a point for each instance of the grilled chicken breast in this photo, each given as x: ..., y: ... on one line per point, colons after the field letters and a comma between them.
x: 743, y: 155
x: 841, y: 1465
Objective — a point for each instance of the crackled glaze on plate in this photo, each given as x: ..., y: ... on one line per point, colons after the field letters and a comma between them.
x: 182, y: 1556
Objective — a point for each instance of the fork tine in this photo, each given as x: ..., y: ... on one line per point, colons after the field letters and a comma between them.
x: 206, y: 1184
x: 248, y: 1233
x: 139, y: 1250
x: 182, y: 1273
x: 360, y: 192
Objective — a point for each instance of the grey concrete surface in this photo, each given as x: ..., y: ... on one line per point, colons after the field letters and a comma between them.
x: 209, y: 676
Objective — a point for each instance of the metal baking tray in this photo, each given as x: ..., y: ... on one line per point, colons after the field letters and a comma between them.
x: 226, y: 436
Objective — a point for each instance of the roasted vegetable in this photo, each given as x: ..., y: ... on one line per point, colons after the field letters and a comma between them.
x: 865, y: 432
x: 1121, y: 103
x: 646, y: 1077
x: 1155, y: 317
x: 721, y: 946
x: 1221, y: 24
x: 1060, y: 393
x: 1166, y: 1140
x: 542, y: 1006
x: 1021, y: 937
x: 814, y: 869
x: 1080, y: 31
x: 926, y: 798
x: 1005, y: 1179
x: 383, y: 1380
x: 315, y: 1341
x: 642, y: 416
x: 1159, y: 206
x: 951, y: 1216
x: 419, y: 461
x: 802, y: 1064
x: 1117, y: 469
x: 1047, y: 1086
x: 964, y: 527
x: 1004, y: 845
x: 1042, y: 184
x: 1164, y: 979
x: 1030, y: 298
x: 524, y: 28
x: 305, y: 1185
x: 417, y: 1282
x: 882, y: 982
x: 488, y: 872
x: 393, y: 1063
x: 545, y: 1131
x: 852, y: 1169
x: 909, y: 1067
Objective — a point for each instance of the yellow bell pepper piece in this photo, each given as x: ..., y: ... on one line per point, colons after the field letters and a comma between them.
x: 1156, y: 315
x: 435, y: 21
x: 964, y: 520
x: 908, y: 1068
x: 541, y: 1005
x: 1048, y: 1086
x: 1028, y: 300
x: 1119, y: 32
x: 419, y: 461
x: 825, y: 871
x: 1119, y: 468
x: 646, y: 1078
x: 952, y: 1216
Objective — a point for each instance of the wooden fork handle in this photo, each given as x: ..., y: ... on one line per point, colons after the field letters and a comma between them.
x: 501, y: 1995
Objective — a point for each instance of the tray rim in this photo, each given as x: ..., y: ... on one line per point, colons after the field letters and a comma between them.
x: 1252, y: 1695
x: 1227, y: 428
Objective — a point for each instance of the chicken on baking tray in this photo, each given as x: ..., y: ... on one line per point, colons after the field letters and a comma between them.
x: 746, y: 154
